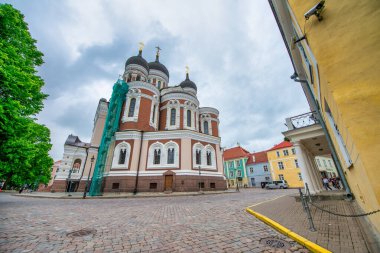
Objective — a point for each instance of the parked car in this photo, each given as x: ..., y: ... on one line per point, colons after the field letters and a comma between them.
x: 280, y: 184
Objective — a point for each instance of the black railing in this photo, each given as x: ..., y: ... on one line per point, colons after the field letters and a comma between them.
x: 303, y: 120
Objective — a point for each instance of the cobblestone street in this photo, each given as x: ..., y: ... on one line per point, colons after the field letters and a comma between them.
x: 206, y: 223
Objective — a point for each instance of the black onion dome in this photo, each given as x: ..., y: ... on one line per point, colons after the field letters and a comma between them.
x: 157, y: 65
x: 188, y: 83
x: 139, y: 60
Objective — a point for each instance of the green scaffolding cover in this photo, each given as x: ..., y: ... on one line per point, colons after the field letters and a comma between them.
x: 111, y: 125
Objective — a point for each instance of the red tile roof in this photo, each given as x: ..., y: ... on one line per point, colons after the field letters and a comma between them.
x: 260, y: 157
x: 236, y: 152
x: 284, y: 144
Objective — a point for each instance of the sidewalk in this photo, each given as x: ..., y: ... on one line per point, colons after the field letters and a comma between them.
x: 111, y: 195
x: 335, y: 233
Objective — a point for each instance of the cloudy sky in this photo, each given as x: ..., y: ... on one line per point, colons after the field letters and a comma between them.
x: 234, y: 50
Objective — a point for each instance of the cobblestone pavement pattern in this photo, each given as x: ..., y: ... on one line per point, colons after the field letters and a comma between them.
x: 206, y: 223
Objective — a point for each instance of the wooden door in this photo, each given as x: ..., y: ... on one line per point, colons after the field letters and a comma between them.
x: 168, y: 182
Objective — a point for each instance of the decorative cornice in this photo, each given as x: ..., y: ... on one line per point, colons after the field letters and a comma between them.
x: 144, y: 85
x: 130, y: 135
x: 157, y: 73
x: 135, y: 67
x: 181, y: 134
x: 208, y: 110
x: 178, y: 95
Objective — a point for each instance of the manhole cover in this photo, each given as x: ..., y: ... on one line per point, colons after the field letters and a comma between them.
x: 82, y: 232
x: 275, y: 243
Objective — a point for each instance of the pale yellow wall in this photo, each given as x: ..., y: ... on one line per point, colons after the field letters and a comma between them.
x: 290, y: 171
x: 346, y: 46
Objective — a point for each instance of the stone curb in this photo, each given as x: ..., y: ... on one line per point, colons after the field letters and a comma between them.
x: 301, y: 240
x: 119, y: 197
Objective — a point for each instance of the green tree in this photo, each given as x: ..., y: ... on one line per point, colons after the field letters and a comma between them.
x: 24, y: 144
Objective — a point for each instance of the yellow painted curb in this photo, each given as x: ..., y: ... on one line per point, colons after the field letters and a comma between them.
x: 315, y: 248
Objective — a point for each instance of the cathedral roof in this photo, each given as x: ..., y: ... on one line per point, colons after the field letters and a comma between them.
x: 157, y: 65
x: 188, y: 83
x: 139, y: 60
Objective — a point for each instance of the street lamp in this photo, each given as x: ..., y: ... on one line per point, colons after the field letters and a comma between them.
x: 88, y: 178
x: 237, y: 182
x: 69, y: 185
x: 199, y: 169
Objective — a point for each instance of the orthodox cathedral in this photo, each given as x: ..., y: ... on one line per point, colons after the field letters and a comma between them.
x: 162, y: 139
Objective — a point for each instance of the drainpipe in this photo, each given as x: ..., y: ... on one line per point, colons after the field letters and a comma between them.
x: 138, y: 167
x: 328, y: 137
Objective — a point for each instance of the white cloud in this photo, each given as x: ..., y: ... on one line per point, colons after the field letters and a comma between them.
x: 234, y: 49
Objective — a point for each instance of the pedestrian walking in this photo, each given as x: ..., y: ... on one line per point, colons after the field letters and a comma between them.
x: 326, y: 183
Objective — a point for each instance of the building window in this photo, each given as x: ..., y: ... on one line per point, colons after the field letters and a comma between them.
x: 208, y: 157
x: 154, y: 80
x: 238, y: 163
x: 138, y: 78
x: 115, y: 186
x: 230, y: 165
x: 171, y: 156
x: 129, y: 78
x: 153, y: 186
x: 280, y: 166
x: 159, y: 84
x: 231, y: 174
x: 239, y: 173
x: 293, y: 151
x: 299, y: 176
x: 330, y: 163
x: 324, y: 163
x: 122, y: 156
x: 154, y: 113
x: 157, y: 156
x: 205, y: 127
x: 212, y: 185
x: 296, y: 162
x: 172, y: 116
x: 286, y: 153
x: 132, y: 107
x: 188, y: 118
x: 318, y: 162
x: 281, y: 177
x: 265, y: 168
x: 267, y: 178
x: 198, y: 156
x: 251, y: 170
x: 278, y: 154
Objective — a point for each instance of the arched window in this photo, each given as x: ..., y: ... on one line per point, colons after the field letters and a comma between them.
x: 129, y: 78
x: 209, y: 158
x: 157, y: 156
x: 188, y: 118
x: 132, y: 107
x: 122, y: 155
x: 205, y: 127
x: 198, y: 159
x: 154, y: 113
x: 171, y: 156
x: 172, y: 116
x: 138, y: 78
x: 159, y: 85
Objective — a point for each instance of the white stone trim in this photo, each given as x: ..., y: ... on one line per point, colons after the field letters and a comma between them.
x: 204, y: 149
x: 155, y: 102
x: 211, y: 110
x: 188, y: 105
x: 181, y: 134
x: 129, y: 135
x: 177, y: 95
x: 132, y: 93
x: 144, y: 85
x: 132, y: 67
x: 153, y: 73
x: 161, y: 173
x: 206, y: 118
x: 173, y: 104
x: 116, y: 154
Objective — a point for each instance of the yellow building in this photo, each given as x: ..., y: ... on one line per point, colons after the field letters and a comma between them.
x: 284, y: 164
x: 335, y: 48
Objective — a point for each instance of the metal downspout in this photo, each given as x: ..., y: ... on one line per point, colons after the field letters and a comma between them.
x: 138, y: 167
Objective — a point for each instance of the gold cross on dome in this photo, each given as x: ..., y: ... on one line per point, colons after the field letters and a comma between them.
x: 158, y: 50
x: 187, y: 69
x: 141, y: 45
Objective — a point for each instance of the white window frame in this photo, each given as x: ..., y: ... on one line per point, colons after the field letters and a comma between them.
x: 280, y: 165
x: 176, y: 105
x: 116, y: 154
x: 132, y: 93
